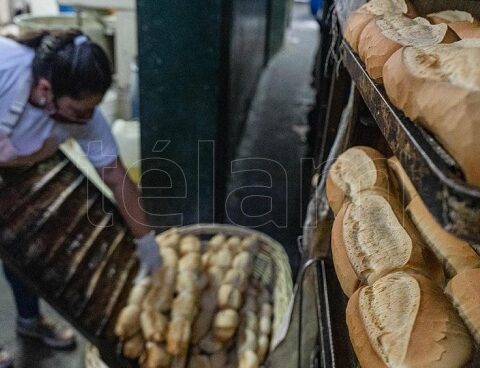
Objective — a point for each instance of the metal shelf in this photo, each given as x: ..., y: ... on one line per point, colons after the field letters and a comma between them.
x: 435, y: 175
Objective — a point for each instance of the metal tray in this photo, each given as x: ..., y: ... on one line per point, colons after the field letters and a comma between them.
x: 65, y: 240
x: 435, y: 175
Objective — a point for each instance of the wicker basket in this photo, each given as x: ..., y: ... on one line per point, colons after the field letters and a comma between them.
x: 271, y: 267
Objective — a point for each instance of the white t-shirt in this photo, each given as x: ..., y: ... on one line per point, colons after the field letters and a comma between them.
x: 28, y: 127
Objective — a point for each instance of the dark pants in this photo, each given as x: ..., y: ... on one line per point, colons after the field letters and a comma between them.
x: 25, y: 299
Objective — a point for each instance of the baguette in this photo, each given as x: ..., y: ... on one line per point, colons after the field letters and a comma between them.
x: 455, y: 254
x: 358, y: 19
x: 461, y: 22
x: 439, y: 87
x: 404, y: 320
x: 378, y: 239
x: 358, y: 168
x: 464, y: 291
x: 382, y: 36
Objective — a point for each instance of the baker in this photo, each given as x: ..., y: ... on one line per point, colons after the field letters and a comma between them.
x: 50, y: 88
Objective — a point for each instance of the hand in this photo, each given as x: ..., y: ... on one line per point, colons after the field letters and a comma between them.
x: 148, y: 254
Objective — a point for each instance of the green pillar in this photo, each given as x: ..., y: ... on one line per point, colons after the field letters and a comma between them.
x: 181, y: 94
x: 278, y: 13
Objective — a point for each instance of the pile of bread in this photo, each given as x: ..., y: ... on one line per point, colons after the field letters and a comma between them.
x: 430, y: 70
x: 204, y: 308
x: 413, y: 288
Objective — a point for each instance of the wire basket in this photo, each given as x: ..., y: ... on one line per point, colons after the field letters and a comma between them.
x: 271, y: 268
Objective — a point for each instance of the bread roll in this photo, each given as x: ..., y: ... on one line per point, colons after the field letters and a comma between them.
x: 229, y: 297
x: 216, y: 243
x: 250, y: 244
x: 189, y: 244
x: 169, y: 239
x: 464, y: 290
x: 248, y: 359
x: 439, y: 87
x: 216, y: 276
x: 358, y: 168
x: 376, y: 242
x: 128, y: 322
x: 237, y: 278
x: 155, y: 356
x: 225, y: 324
x: 133, y: 347
x: 161, y: 293
x: 405, y: 320
x: 154, y: 325
x: 383, y: 36
x: 402, y: 183
x: 455, y: 254
x: 243, y: 261
x: 346, y: 275
x: 190, y: 262
x: 233, y: 243
x: 189, y: 281
x: 138, y: 292
x: 178, y: 337
x: 223, y: 258
x: 170, y: 257
x: 461, y: 22
x: 357, y: 20
x: 184, y: 306
x: 262, y: 348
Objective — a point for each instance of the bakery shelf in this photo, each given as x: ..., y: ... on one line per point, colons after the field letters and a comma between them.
x: 66, y: 241
x: 435, y: 175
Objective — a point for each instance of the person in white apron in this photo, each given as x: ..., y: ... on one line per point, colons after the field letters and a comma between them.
x: 50, y: 87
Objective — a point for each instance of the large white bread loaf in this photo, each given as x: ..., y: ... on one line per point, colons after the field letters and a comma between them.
x: 357, y: 169
x: 464, y: 290
x: 384, y: 35
x: 461, y: 22
x: 455, y: 254
x: 379, y: 238
x: 439, y: 87
x: 404, y: 320
x: 357, y: 20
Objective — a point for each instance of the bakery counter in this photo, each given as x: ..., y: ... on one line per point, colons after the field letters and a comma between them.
x: 65, y: 240
x: 434, y: 173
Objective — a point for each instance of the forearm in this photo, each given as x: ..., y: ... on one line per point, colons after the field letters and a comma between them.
x: 127, y: 197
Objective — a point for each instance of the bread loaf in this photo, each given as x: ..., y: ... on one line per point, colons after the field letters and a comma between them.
x: 375, y: 237
x: 343, y: 268
x: 357, y: 20
x: 358, y: 168
x: 404, y: 320
x: 155, y: 356
x: 128, y: 322
x: 461, y: 22
x: 134, y: 347
x: 384, y: 35
x: 439, y: 87
x: 154, y: 325
x: 455, y: 254
x: 464, y: 291
x: 225, y: 324
x: 139, y: 291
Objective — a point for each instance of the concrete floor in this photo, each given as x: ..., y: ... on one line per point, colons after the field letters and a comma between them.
x: 267, y: 178
x: 273, y: 145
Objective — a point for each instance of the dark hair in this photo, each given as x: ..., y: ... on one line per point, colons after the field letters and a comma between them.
x: 74, y: 69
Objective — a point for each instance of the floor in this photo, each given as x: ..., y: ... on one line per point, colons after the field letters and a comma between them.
x: 267, y: 179
x: 273, y: 145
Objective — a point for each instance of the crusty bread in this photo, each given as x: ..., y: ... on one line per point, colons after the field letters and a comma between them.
x: 358, y: 168
x: 358, y: 19
x: 404, y: 320
x: 155, y: 356
x: 439, y: 87
x: 384, y: 35
x: 461, y: 22
x: 345, y: 273
x: 455, y: 254
x: 379, y: 238
x: 403, y: 186
x: 464, y: 290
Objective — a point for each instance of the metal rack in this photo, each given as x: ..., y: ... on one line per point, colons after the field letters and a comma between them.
x: 68, y: 243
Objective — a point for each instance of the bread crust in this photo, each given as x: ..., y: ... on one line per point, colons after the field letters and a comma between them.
x: 448, y: 111
x: 438, y: 337
x: 343, y: 268
x: 403, y: 186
